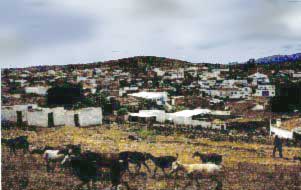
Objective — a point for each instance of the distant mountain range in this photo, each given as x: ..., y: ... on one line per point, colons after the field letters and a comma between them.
x: 279, y: 59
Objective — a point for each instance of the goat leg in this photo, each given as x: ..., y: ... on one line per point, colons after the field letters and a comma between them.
x: 154, y: 174
x: 138, y: 167
x: 47, y: 166
x: 163, y: 170
x: 146, y: 167
x: 219, y: 184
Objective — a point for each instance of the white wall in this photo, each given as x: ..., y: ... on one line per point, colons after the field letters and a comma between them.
x: 38, y: 118
x: 41, y: 90
x: 282, y: 133
x: 9, y: 115
x: 90, y: 116
x: 69, y: 118
x: 59, y: 117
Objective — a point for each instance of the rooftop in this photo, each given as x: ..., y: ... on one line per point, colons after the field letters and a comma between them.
x: 149, y: 95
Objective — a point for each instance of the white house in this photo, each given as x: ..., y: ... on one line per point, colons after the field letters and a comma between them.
x: 174, y: 74
x: 265, y: 90
x: 185, y: 117
x: 159, y: 72
x: 40, y: 90
x: 297, y: 75
x: 160, y: 115
x: 126, y: 90
x: 259, y: 78
x: 160, y: 97
x: 232, y: 93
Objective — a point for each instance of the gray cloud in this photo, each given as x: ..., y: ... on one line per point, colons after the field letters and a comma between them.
x: 38, y: 32
x: 27, y: 25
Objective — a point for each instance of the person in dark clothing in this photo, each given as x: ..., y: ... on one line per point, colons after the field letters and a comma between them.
x: 277, y: 146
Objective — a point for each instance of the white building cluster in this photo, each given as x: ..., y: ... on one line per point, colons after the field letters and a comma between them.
x: 184, y: 117
x: 33, y: 115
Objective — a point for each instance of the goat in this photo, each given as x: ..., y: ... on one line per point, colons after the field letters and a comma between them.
x: 134, y: 138
x: 20, y: 142
x: 85, y: 169
x: 53, y: 156
x: 135, y: 157
x: 212, y: 157
x: 104, y: 160
x: 38, y: 150
x: 195, y: 171
x: 70, y: 148
x: 73, y: 149
x: 162, y: 162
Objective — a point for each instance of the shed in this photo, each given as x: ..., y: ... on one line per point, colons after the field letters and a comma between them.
x: 46, y: 117
x: 16, y: 113
x: 84, y: 117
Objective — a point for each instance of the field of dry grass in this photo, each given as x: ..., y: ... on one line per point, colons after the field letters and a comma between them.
x: 246, y: 166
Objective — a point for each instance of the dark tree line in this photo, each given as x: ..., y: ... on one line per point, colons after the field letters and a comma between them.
x: 66, y: 95
x: 288, y: 97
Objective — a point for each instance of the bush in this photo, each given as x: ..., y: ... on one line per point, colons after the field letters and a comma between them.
x: 143, y: 133
x: 122, y: 111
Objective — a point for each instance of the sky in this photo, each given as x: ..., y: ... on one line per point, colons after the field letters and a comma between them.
x: 56, y: 32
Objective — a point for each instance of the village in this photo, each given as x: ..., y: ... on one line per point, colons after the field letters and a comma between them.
x: 150, y: 98
x: 195, y: 95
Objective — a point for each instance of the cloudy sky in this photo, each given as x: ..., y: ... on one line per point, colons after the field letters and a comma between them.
x: 47, y: 32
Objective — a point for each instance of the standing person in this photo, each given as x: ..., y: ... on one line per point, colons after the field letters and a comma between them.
x: 277, y: 146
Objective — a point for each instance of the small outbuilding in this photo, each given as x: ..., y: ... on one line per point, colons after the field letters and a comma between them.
x: 84, y: 117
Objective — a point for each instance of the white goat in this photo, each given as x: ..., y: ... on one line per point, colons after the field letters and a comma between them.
x: 52, y: 156
x: 195, y: 171
x: 201, y: 168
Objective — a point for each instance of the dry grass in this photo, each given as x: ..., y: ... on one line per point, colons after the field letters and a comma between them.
x: 245, y: 164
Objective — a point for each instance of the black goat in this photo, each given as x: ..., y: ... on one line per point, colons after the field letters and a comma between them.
x: 137, y: 158
x: 104, y: 160
x: 162, y: 162
x: 134, y: 138
x: 211, y: 157
x: 14, y: 144
x: 85, y: 169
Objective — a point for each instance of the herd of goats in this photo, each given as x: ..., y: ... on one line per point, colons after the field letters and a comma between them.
x: 86, y: 165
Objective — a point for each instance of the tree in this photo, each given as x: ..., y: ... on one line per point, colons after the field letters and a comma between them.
x: 288, y: 98
x: 66, y: 95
